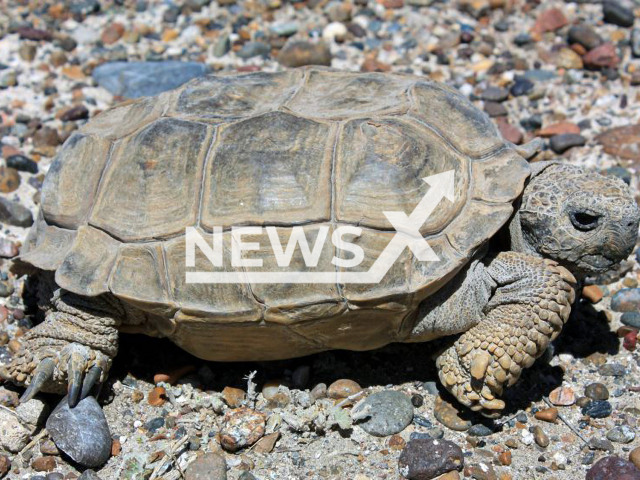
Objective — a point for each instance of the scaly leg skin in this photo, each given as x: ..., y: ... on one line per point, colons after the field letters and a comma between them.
x: 71, y: 350
x: 527, y: 311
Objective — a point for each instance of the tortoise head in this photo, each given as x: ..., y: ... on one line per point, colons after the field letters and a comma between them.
x: 585, y: 221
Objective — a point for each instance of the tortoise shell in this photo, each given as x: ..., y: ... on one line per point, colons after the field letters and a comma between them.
x: 312, y: 147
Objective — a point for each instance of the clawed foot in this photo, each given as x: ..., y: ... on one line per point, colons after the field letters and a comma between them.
x: 59, y: 367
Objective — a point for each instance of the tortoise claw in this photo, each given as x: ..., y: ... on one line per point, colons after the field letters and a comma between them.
x: 93, y: 375
x: 43, y: 373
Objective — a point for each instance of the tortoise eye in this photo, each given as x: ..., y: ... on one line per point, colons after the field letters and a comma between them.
x: 585, y: 221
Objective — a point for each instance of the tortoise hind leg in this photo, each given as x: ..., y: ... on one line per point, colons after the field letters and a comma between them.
x: 528, y: 309
x: 72, y: 349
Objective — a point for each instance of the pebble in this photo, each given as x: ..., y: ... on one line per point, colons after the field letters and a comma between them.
x: 612, y: 370
x: 81, y: 432
x: 301, y: 53
x: 626, y: 300
x: 241, y: 427
x: 635, y: 42
x: 479, y: 430
x: 14, y: 213
x: 335, y: 31
x: 210, y: 466
x: 447, y: 414
x: 621, y: 434
x: 14, y: 436
x: 601, y: 444
x: 73, y: 114
x: 254, y: 49
x: 157, y: 396
x: 585, y: 36
x: 596, y: 391
x: 569, y: 59
x: 390, y: 412
x: 141, y: 79
x: 597, y: 409
x: 522, y: 86
x: 559, y: 129
x: 267, y: 443
x: 494, y: 94
x: 539, y: 436
x: 604, y: 56
x: 44, y: 464
x: 343, y: 388
x: 549, y: 21
x: 547, y: 415
x: 47, y: 447
x: 612, y: 468
x: 428, y: 458
x: 505, y: 458
x: 562, y: 396
x: 9, y: 179
x: 494, y: 109
x: 89, y: 475
x: 561, y: 143
x: 614, y: 12
x: 319, y: 391
x: 22, y: 163
x: 32, y: 413
x: 5, y: 465
x: 634, y: 456
x: 233, y: 396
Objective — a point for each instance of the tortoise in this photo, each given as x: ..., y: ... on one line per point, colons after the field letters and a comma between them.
x: 242, y: 158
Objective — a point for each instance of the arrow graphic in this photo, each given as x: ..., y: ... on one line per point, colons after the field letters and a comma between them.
x: 408, y: 235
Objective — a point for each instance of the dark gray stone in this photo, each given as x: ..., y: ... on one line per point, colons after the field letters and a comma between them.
x: 22, y: 163
x: 617, y: 14
x: 621, y: 434
x: 495, y: 94
x: 479, y: 430
x: 254, y: 49
x: 522, y: 86
x: 562, y: 143
x: 423, y: 459
x: 390, y: 413
x: 597, y: 409
x: 596, y: 391
x: 631, y: 319
x: 601, y: 444
x: 81, y: 432
x: 612, y: 370
x: 14, y: 213
x: 141, y: 79
x: 585, y: 36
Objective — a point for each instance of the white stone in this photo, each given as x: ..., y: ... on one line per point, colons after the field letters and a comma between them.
x: 334, y: 31
x: 33, y: 413
x: 13, y: 435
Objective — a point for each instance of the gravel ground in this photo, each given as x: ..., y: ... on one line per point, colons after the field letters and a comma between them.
x: 563, y: 71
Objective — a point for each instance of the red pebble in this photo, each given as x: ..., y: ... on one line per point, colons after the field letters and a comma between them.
x: 630, y: 340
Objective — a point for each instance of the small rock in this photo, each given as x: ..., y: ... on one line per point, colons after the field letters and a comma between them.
x: 8, y: 249
x: 222, y: 45
x: 596, y: 391
x: 626, y: 300
x: 547, y: 415
x: 522, y: 86
x: 623, y: 142
x: 510, y: 133
x: 319, y: 391
x: 233, y: 396
x: 112, y: 33
x: 254, y: 49
x: 29, y: 33
x: 585, y: 36
x: 81, y: 432
x: 9, y: 179
x: 447, y: 414
x: 621, y: 434
x: 428, y: 458
x: 15, y: 214
x: 479, y: 430
x: 142, y: 79
x: 629, y: 341
x: 562, y: 143
x: 562, y: 396
x: 612, y: 468
x: 612, y: 370
x: 494, y: 109
x: 505, y: 458
x: 27, y: 51
x: 157, y: 397
x: 482, y: 471
x: 33, y: 413
x: 49, y: 448
x: 593, y: 293
x: 634, y: 456
x: 550, y: 21
x: 601, y: 444
x: 597, y: 409
x: 13, y: 435
x: 334, y: 32
x: 301, y: 53
x: 73, y: 114
x: 210, y: 466
x: 389, y: 413
x: 495, y: 94
x: 539, y: 436
x: 604, y: 56
x: 560, y: 129
x: 8, y: 398
x: 5, y: 465
x: 89, y: 475
x: 569, y: 59
x: 343, y: 388
x: 374, y: 65
x: 46, y: 139
x: 631, y: 319
x: 154, y: 424
x: 241, y: 428
x: 44, y: 464
x: 266, y: 443
x: 617, y: 14
x: 22, y: 163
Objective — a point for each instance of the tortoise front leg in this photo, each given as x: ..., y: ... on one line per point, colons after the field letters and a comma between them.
x: 72, y: 349
x: 527, y: 310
